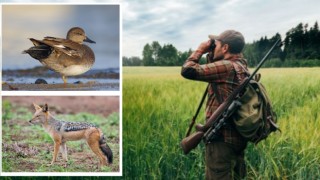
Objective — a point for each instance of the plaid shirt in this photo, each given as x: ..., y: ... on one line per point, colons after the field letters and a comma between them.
x: 224, y: 75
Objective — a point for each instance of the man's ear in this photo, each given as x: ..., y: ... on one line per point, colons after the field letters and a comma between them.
x: 225, y: 48
x: 36, y: 107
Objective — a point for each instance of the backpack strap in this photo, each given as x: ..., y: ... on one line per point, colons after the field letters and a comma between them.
x: 238, y: 66
x: 240, y: 70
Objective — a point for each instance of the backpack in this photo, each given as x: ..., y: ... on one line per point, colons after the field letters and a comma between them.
x: 255, y: 118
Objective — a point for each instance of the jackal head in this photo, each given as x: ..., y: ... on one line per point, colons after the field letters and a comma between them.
x: 41, y: 114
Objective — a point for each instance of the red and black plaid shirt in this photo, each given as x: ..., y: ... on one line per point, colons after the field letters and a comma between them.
x: 224, y: 75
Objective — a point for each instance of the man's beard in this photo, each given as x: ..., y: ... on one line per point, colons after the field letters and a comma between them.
x: 212, y: 58
x: 219, y: 57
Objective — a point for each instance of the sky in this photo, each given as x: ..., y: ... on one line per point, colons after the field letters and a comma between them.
x: 186, y: 24
x: 101, y: 23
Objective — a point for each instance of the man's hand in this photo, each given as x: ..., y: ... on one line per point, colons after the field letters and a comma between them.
x: 204, y: 47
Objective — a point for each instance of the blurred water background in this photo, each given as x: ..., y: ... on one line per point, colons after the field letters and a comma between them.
x: 20, y: 22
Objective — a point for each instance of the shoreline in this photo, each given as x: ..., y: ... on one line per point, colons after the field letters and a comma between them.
x: 89, y: 86
x: 25, y: 79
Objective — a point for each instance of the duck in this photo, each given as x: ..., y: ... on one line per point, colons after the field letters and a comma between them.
x: 68, y: 57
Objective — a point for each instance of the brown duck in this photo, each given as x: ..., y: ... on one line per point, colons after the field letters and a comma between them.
x: 69, y: 57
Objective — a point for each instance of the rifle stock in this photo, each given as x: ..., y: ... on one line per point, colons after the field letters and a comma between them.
x: 192, y: 141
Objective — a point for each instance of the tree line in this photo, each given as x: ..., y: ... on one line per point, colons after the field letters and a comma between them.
x: 301, y: 47
x: 156, y: 55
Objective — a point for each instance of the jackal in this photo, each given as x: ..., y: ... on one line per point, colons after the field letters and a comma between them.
x: 61, y: 132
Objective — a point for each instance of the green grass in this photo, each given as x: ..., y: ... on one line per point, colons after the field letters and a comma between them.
x: 28, y: 148
x: 158, y: 105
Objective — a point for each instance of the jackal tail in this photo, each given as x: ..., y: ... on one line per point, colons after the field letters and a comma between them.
x: 105, y: 149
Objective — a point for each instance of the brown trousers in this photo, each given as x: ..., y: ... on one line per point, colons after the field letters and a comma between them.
x: 224, y: 161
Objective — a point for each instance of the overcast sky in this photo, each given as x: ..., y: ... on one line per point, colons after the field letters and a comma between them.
x: 186, y: 23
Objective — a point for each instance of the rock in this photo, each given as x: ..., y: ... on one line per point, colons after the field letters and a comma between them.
x: 41, y: 81
x: 78, y: 82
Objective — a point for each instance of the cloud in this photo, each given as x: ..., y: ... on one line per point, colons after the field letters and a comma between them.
x: 187, y: 23
x: 162, y: 21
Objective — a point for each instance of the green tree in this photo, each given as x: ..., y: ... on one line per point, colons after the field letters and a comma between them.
x: 132, y: 61
x: 147, y: 54
x: 156, y: 50
x: 183, y: 56
x: 168, y: 55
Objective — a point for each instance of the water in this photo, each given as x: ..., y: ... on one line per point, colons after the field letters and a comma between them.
x: 96, y: 79
x: 54, y: 80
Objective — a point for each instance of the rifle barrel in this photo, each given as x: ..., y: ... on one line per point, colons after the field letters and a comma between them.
x: 264, y: 59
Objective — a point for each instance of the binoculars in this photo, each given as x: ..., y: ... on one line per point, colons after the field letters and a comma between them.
x: 212, y: 45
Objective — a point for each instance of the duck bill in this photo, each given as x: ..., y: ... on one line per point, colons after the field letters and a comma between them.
x: 88, y: 40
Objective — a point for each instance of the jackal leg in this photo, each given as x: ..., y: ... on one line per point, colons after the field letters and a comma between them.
x: 93, y: 142
x: 64, y: 152
x: 55, y: 151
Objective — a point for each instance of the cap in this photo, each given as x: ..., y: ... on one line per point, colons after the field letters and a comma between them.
x: 233, y: 38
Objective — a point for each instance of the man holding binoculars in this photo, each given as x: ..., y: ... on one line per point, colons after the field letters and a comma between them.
x: 225, y: 154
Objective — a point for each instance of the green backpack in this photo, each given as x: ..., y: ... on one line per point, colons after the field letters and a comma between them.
x: 254, y: 119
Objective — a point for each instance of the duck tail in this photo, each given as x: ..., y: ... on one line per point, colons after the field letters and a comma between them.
x: 38, y: 52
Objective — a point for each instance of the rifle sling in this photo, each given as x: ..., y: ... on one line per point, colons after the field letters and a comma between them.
x: 201, y: 102
x: 197, y: 112
x: 217, y: 94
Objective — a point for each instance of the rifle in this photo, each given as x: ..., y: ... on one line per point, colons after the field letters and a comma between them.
x: 197, y: 112
x: 222, y: 113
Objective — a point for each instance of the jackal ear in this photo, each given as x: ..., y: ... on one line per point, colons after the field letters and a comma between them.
x: 45, y: 108
x: 36, y: 107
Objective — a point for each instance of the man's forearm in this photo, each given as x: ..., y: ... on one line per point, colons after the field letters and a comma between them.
x: 187, y: 70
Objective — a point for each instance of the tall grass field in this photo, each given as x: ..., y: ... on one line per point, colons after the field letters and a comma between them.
x: 158, y: 105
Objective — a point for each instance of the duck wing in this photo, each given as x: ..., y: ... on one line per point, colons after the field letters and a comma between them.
x: 65, y: 46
